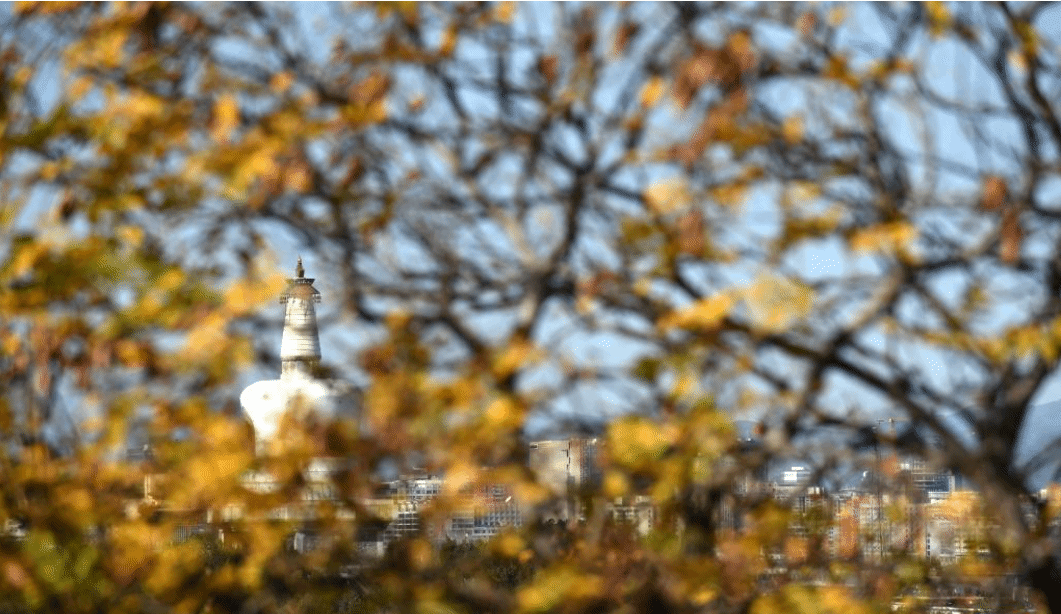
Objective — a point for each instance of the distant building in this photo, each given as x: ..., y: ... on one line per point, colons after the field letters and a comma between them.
x: 404, y: 508
x: 483, y: 512
x: 567, y: 467
x: 796, y: 475
x: 639, y: 512
x: 929, y: 483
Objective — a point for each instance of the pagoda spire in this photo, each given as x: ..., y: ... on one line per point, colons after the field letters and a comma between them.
x: 300, y: 347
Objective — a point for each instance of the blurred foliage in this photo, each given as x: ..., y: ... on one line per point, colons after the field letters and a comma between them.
x: 804, y: 215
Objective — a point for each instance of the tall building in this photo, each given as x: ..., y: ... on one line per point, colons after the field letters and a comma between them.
x: 566, y: 467
x: 930, y: 483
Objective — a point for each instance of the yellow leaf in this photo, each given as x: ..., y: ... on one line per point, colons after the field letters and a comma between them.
x: 505, y: 11
x: 740, y: 47
x: 449, y: 42
x: 169, y: 281
x: 80, y: 88
x: 49, y: 171
x: 205, y: 339
x: 667, y: 196
x: 297, y: 178
x: 775, y: 303
x: 108, y: 47
x: 518, y: 354
x: 615, y: 484
x: 837, y: 68
x: 555, y: 586
x: 131, y: 235
x: 509, y: 545
x: 837, y: 16
x: 368, y: 100
x: 502, y: 414
x: 792, y: 129
x: 10, y: 344
x: 799, y: 228
x: 226, y: 117
x: 651, y: 92
x: 175, y: 564
x: 27, y: 258
x: 888, y: 237
x: 1029, y: 37
x: 801, y: 192
x: 703, y: 314
x: 1018, y: 60
x: 246, y: 295
x: 459, y: 476
x: 256, y: 164
x: 686, y: 384
x: 730, y: 194
x: 939, y: 17
x: 143, y: 105
x: 638, y: 442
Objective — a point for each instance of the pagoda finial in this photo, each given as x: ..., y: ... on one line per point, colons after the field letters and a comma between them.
x: 299, y: 271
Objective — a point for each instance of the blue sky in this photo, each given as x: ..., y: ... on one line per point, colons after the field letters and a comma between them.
x: 757, y: 221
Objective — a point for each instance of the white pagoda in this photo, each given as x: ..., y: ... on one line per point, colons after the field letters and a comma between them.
x: 266, y: 402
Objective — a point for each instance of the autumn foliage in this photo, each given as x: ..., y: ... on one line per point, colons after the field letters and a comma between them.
x: 644, y: 222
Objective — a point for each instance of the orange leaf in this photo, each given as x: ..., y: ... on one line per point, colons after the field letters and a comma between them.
x: 707, y: 65
x: 625, y: 34
x: 691, y: 233
x: 1012, y: 236
x: 741, y: 51
x: 806, y: 23
x: 549, y: 65
x: 994, y: 193
x: 651, y: 92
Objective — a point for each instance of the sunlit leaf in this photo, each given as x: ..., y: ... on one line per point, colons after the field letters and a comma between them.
x: 504, y: 11
x: 555, y: 586
x: 776, y: 303
x: 667, y: 196
x: 792, y: 129
x: 1012, y: 236
x: 651, y: 91
x: 226, y: 118
x: 886, y: 238
x: 704, y: 314
x: 939, y: 17
x: 993, y: 193
x: 638, y: 442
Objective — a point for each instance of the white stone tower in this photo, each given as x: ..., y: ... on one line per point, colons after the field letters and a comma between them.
x: 300, y: 347
x: 266, y: 402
